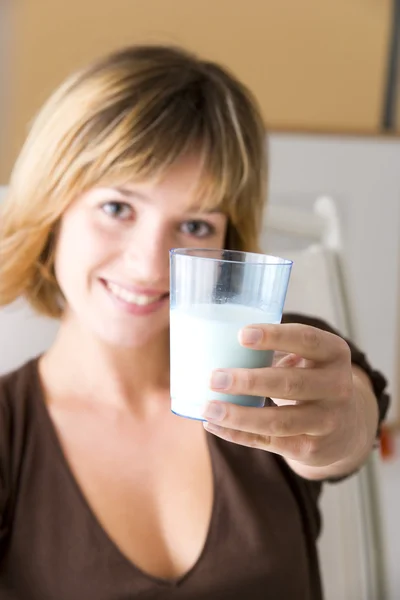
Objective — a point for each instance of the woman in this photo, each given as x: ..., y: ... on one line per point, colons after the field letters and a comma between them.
x: 104, y: 492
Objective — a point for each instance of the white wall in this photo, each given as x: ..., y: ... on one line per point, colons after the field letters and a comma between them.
x: 363, y: 175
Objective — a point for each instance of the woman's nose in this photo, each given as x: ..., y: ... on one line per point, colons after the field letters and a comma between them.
x: 147, y: 260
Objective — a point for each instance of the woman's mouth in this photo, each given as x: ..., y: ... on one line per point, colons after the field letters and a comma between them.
x: 132, y: 298
x: 135, y: 299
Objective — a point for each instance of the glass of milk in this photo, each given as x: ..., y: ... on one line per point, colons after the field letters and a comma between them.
x: 213, y: 294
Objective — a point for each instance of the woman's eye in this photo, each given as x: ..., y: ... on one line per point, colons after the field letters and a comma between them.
x: 199, y: 229
x: 117, y: 210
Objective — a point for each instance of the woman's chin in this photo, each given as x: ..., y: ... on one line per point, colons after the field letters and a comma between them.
x: 133, y: 340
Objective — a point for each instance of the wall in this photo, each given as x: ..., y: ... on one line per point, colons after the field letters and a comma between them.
x: 5, y: 45
x: 312, y: 64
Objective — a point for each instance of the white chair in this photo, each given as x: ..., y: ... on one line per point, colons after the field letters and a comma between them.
x: 349, y: 544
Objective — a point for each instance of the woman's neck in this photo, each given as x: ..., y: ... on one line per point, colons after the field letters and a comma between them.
x: 81, y: 364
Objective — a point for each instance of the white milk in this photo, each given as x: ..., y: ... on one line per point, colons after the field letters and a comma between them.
x: 205, y: 337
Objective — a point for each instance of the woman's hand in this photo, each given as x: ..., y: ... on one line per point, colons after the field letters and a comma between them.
x: 326, y: 417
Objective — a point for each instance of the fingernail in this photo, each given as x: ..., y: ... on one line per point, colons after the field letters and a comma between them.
x: 215, y: 411
x: 251, y: 335
x: 221, y: 380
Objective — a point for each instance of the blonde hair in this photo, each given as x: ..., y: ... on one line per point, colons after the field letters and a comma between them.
x: 131, y: 114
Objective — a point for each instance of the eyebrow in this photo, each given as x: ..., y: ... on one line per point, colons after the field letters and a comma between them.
x: 130, y: 193
x: 200, y: 210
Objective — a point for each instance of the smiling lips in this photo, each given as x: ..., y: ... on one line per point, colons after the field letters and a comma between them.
x: 133, y: 298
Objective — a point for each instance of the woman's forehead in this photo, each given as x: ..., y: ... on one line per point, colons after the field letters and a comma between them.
x: 186, y: 182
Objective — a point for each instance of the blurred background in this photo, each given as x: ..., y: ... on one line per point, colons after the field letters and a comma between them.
x: 327, y: 77
x: 314, y: 65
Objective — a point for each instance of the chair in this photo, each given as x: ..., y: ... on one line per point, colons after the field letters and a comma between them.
x: 349, y: 544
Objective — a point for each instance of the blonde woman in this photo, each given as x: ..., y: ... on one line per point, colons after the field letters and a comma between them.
x: 104, y: 493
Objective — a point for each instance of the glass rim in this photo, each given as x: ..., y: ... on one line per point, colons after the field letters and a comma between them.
x: 276, y: 260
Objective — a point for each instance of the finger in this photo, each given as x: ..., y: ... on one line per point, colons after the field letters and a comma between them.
x: 284, y: 421
x: 306, y: 341
x: 282, y: 359
x: 286, y: 383
x: 301, y: 448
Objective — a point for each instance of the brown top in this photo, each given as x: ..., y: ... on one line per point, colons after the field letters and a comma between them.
x: 261, y: 541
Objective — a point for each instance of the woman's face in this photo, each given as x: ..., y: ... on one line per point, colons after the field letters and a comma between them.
x: 112, y: 259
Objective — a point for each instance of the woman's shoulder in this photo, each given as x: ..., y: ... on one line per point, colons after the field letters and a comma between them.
x: 16, y: 414
x: 16, y: 386
x: 13, y: 378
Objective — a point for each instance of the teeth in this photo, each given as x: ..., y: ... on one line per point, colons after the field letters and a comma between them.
x: 138, y: 299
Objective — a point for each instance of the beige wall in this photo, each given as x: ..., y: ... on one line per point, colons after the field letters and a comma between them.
x: 314, y: 64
